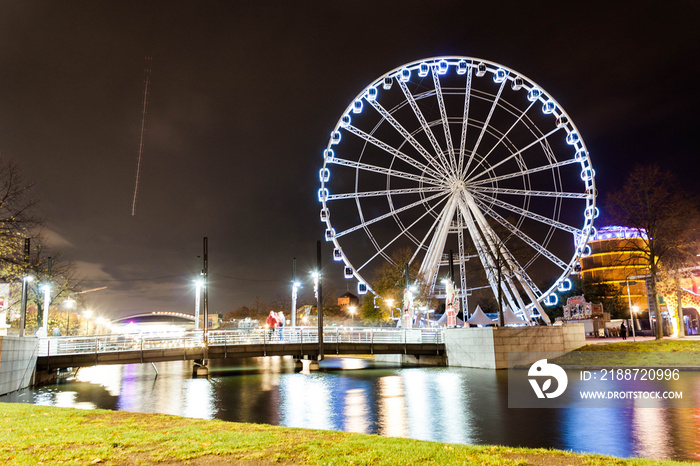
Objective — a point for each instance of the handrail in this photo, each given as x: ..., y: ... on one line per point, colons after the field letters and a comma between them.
x: 229, y: 337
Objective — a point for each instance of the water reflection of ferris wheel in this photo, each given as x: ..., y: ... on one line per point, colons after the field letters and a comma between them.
x: 465, y: 155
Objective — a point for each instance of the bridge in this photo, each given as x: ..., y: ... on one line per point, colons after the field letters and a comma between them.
x: 299, y: 342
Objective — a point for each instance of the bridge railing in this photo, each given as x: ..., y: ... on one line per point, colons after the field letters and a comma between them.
x: 52, y: 346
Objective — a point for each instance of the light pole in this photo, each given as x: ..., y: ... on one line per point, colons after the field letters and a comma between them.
x: 352, y: 310
x: 295, y: 291
x: 87, y: 314
x: 70, y: 304
x: 23, y: 307
x: 629, y: 301
x: 46, y: 287
x: 198, y: 283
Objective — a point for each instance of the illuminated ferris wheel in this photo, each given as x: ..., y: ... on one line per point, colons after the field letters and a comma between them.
x: 457, y: 157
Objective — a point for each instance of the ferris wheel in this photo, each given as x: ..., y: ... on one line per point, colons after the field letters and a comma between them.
x: 465, y: 161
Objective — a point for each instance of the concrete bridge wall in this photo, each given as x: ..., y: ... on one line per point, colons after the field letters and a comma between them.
x: 498, y: 347
x: 17, y: 362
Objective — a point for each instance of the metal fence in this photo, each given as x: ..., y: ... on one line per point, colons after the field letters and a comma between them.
x: 52, y: 346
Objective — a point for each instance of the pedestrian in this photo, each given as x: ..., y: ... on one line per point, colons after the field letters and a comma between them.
x: 623, y: 331
x: 271, y: 323
x: 280, y: 324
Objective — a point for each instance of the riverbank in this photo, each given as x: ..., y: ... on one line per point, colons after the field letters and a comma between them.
x: 47, y: 435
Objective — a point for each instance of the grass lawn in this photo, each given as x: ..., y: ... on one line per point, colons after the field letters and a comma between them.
x: 47, y: 435
x: 671, y: 353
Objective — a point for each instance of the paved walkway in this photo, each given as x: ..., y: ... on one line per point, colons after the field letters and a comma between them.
x: 605, y: 341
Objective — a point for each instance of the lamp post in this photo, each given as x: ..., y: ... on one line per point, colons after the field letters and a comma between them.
x: 198, y: 283
x: 352, y: 310
x: 70, y: 304
x: 46, y: 287
x: 87, y: 314
x: 629, y: 301
x: 23, y: 307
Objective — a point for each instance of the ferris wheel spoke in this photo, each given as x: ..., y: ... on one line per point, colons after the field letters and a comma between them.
x: 443, y: 117
x: 389, y: 214
x: 517, y: 232
x: 424, y: 124
x: 505, y: 135
x: 486, y: 125
x: 408, y: 136
x: 528, y: 214
x: 395, y: 152
x: 383, y: 192
x: 514, y: 154
x: 401, y: 234
x: 529, y: 192
x: 383, y: 170
x: 465, y: 119
x: 524, y: 173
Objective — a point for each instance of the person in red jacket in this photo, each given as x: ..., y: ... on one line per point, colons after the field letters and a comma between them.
x: 271, y: 323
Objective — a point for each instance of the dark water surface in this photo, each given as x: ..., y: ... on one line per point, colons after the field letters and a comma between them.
x: 454, y: 405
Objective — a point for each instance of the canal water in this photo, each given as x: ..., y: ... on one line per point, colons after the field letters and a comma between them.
x: 452, y: 405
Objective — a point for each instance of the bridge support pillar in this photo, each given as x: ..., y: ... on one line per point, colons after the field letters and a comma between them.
x: 200, y: 368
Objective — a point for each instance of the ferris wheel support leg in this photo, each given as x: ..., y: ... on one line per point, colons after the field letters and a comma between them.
x: 487, y: 259
x: 437, y: 244
x: 513, y: 265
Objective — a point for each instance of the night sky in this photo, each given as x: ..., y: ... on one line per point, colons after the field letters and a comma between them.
x: 243, y: 96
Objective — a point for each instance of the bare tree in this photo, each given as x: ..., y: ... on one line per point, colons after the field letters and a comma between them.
x: 666, y: 218
x: 17, y: 219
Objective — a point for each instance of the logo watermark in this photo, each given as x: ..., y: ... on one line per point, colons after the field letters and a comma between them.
x: 597, y: 379
x: 547, y: 372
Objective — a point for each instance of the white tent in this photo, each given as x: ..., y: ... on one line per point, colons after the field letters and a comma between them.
x: 510, y: 318
x: 479, y: 318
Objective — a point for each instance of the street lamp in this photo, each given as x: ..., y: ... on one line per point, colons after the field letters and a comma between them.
x: 70, y: 304
x: 87, y: 314
x: 352, y: 310
x: 629, y: 301
x: 198, y: 284
x: 46, y: 287
x: 23, y: 307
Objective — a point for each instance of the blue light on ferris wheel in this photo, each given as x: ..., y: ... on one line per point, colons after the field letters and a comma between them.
x: 335, y: 137
x: 325, y: 215
x: 517, y: 84
x: 387, y: 83
x: 565, y: 285
x: 442, y: 67
x: 462, y: 67
x: 480, y: 70
x: 330, y: 234
x: 499, y: 76
x: 587, y: 174
x: 322, y: 194
x: 337, y: 255
x: 324, y: 175
x: 345, y: 121
x: 372, y: 93
x: 572, y: 138
x: 361, y: 288
x: 423, y: 70
x: 357, y: 106
x: 533, y: 94
x: 347, y: 272
x: 405, y: 75
x: 548, y: 107
x: 552, y: 300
